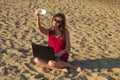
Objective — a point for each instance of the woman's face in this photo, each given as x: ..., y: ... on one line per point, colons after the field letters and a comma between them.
x: 56, y: 22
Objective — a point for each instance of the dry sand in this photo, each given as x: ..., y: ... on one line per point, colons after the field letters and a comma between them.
x: 94, y: 32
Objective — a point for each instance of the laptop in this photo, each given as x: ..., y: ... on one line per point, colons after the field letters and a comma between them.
x: 44, y: 52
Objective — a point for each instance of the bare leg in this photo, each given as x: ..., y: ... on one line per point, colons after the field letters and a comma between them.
x: 62, y: 64
x: 59, y: 64
x: 48, y: 64
x: 56, y: 65
x: 41, y: 62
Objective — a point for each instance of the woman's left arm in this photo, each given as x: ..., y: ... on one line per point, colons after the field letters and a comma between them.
x: 67, y: 47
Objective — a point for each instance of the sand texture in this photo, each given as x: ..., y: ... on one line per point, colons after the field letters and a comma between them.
x: 94, y: 27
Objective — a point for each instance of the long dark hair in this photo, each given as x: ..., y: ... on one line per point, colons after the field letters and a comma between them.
x: 61, y: 27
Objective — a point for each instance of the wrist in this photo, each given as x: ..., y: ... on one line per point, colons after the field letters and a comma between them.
x: 65, y: 51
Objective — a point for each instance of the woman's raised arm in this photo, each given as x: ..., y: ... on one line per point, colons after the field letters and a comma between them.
x: 42, y: 29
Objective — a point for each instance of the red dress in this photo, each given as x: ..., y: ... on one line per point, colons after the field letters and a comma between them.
x: 58, y: 44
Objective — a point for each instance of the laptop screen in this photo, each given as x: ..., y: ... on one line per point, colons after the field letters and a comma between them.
x: 44, y: 52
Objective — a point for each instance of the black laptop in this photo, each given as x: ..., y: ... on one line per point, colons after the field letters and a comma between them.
x: 44, y: 52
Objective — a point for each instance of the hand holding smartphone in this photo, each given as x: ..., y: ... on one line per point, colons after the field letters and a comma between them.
x: 40, y: 11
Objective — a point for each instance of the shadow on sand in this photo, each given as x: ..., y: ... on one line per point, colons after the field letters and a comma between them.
x: 104, y: 63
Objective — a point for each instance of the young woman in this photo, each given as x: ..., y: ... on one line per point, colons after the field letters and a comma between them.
x: 58, y: 38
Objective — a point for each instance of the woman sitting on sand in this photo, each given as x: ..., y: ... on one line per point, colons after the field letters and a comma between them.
x: 58, y: 38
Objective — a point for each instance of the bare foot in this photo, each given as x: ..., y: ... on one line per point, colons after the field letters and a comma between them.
x: 78, y: 69
x: 64, y: 70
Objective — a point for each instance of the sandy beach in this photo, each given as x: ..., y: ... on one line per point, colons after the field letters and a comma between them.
x: 94, y: 27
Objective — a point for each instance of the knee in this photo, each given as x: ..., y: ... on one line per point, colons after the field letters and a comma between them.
x: 36, y: 60
x: 51, y: 63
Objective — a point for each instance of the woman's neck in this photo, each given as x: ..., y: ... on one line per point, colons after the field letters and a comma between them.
x: 57, y: 33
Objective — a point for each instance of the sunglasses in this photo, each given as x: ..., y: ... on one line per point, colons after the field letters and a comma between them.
x: 58, y: 21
